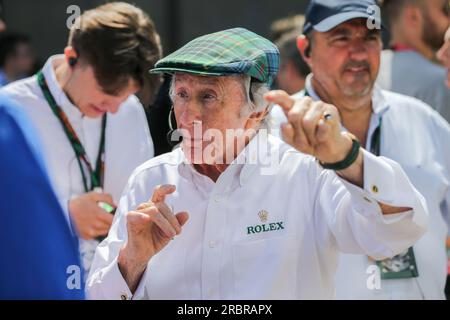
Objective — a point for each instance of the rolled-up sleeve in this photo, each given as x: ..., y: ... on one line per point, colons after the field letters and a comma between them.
x: 354, y: 217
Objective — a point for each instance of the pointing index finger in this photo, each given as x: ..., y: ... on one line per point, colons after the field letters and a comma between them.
x: 160, y: 192
x: 281, y: 98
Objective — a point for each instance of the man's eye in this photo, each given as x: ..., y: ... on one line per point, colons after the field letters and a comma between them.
x: 372, y: 37
x: 340, y: 39
x: 182, y: 95
x: 209, y: 97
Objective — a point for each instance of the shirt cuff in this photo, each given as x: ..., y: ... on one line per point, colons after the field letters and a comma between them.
x: 382, y: 184
x: 113, y: 285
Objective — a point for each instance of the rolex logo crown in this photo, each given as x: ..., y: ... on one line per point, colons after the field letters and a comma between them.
x: 263, y: 215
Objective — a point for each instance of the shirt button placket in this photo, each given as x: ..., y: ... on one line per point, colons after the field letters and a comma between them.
x: 212, y: 245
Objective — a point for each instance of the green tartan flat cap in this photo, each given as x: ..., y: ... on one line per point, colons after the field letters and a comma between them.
x: 224, y: 53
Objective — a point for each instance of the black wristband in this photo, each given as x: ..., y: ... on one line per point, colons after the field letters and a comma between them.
x: 347, y: 162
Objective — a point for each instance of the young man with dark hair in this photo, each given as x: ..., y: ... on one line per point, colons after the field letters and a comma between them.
x: 94, y: 130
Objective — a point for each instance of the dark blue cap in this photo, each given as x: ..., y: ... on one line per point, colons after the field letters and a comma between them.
x: 324, y: 15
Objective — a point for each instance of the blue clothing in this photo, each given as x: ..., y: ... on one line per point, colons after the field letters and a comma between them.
x: 38, y: 253
x: 3, y: 79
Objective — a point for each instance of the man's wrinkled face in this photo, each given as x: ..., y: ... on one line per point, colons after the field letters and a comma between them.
x: 346, y: 59
x: 91, y: 99
x: 205, y: 108
x: 444, y: 55
x: 436, y: 15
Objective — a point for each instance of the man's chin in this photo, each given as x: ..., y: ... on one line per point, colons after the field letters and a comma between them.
x: 357, y: 91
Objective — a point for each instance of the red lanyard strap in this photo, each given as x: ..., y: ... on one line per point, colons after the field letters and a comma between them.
x: 96, y: 176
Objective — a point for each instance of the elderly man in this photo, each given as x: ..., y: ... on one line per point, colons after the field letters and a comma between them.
x: 207, y: 222
x: 387, y: 124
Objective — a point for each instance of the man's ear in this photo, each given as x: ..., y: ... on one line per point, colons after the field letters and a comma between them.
x: 256, y: 118
x: 71, y: 56
x: 304, y: 47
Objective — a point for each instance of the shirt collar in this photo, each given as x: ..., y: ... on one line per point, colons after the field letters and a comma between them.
x: 260, y: 153
x: 379, y: 103
x: 58, y: 94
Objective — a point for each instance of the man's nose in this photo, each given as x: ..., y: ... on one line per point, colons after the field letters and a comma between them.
x: 111, y: 107
x: 358, y: 51
x: 188, y: 113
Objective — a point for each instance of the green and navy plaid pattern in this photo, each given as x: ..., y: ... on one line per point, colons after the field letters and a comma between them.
x: 233, y: 51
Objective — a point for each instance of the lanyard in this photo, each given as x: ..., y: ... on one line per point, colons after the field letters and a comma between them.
x: 96, y: 176
x: 375, y: 142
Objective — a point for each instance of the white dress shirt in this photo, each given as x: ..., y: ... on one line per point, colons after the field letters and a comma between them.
x: 417, y: 138
x: 128, y: 141
x: 260, y: 234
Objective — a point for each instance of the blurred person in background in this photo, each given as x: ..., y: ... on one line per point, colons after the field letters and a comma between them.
x: 93, y: 129
x: 410, y: 67
x: 2, y: 22
x: 38, y: 253
x: 344, y: 56
x: 285, y: 25
x: 16, y: 57
x: 444, y: 57
x: 158, y: 116
x: 293, y: 69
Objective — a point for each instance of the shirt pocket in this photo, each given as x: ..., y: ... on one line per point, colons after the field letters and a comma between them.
x: 266, y: 268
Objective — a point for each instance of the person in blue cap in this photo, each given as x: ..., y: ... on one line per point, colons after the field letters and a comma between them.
x: 342, y: 44
x: 38, y: 253
x: 235, y: 213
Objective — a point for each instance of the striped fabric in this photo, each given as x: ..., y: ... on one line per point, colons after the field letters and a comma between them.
x: 232, y: 51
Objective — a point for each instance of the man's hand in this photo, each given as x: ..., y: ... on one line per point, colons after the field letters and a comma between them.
x: 90, y: 220
x: 313, y: 127
x: 309, y: 131
x: 150, y: 228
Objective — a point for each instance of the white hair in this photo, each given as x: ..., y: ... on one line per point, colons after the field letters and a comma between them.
x: 254, y: 92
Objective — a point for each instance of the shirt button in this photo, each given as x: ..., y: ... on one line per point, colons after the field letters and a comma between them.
x: 374, y: 189
x: 212, y: 244
x: 217, y: 199
x: 124, y: 297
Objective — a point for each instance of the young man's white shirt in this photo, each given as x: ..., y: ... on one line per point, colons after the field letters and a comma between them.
x: 260, y: 231
x: 417, y: 138
x: 127, y: 138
